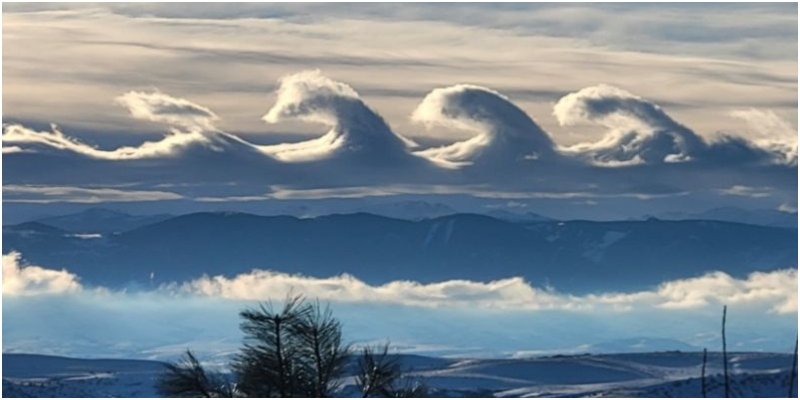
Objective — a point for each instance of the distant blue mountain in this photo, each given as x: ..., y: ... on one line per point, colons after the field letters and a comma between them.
x: 412, y: 210
x: 734, y: 214
x: 576, y: 256
x: 101, y: 220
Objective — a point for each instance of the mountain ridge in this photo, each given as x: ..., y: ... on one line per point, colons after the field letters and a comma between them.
x: 577, y: 256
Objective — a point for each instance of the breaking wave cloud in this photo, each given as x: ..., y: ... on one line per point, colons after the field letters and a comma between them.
x: 639, y: 131
x: 504, y: 132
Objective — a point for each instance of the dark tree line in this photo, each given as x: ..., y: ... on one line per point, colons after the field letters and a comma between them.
x: 296, y: 351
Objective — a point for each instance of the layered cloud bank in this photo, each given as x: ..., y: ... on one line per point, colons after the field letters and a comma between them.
x: 51, y: 310
x: 774, y: 292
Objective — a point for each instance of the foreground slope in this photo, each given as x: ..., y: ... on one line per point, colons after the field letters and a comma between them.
x: 666, y: 374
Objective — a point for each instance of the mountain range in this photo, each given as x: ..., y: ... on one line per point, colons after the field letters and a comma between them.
x: 574, y: 256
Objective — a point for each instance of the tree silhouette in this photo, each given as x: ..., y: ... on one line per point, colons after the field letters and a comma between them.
x: 322, y: 354
x: 188, y: 378
x: 379, y: 374
x: 296, y: 351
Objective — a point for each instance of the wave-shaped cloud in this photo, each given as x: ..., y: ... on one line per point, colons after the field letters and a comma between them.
x: 505, y: 132
x: 32, y: 141
x: 355, y: 128
x: 191, y: 128
x: 23, y: 280
x: 640, y: 132
x: 507, y: 148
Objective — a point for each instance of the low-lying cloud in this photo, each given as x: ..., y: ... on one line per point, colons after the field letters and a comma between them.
x: 29, y: 280
x: 48, y: 311
x: 774, y: 291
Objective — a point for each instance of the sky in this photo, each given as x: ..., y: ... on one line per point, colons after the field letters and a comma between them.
x: 591, y: 111
x: 209, y: 107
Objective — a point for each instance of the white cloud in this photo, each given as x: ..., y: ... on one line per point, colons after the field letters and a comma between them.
x: 788, y: 208
x: 70, y: 194
x: 748, y: 191
x: 25, y: 280
x: 481, y: 191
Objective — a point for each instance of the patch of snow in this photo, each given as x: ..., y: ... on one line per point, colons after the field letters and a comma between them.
x: 86, y: 236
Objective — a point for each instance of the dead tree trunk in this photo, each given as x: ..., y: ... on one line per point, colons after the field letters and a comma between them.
x: 703, y: 372
x: 793, y: 376
x: 725, y: 353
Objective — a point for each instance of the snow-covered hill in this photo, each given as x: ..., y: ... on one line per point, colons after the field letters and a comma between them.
x: 32, y: 375
x: 663, y: 374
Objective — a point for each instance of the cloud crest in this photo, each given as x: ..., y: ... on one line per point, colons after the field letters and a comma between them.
x: 173, y: 111
x: 355, y: 128
x: 505, y: 132
x: 640, y: 132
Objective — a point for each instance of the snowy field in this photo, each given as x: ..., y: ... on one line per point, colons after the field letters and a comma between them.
x: 663, y: 374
